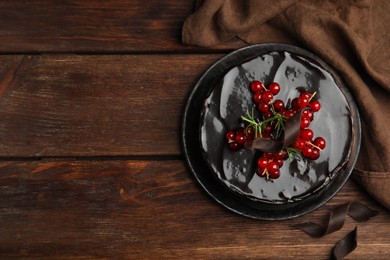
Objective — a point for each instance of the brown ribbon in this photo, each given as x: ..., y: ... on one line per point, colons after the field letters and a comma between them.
x: 345, y: 245
x: 337, y: 217
x: 356, y: 210
x: 291, y: 133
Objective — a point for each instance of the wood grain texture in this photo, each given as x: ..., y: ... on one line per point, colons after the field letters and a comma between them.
x: 94, y: 26
x: 153, y: 209
x: 95, y: 105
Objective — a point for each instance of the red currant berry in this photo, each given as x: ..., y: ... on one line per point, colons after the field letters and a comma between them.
x: 315, y: 154
x: 263, y: 107
x: 274, y: 175
x: 266, y: 96
x: 257, y: 97
x: 315, y: 105
x: 303, y: 102
x: 240, y: 138
x: 274, y: 88
x: 305, y: 122
x: 267, y: 114
x: 288, y: 113
x: 272, y: 167
x: 234, y: 146
x: 307, y: 134
x: 295, y: 103
x: 268, y: 129
x: 262, y: 162
x: 306, y: 94
x: 299, y: 144
x: 250, y: 132
x: 285, y: 154
x: 320, y: 142
x: 308, y: 114
x: 307, y: 151
x: 278, y: 156
x: 280, y: 162
x: 260, y: 171
x: 230, y: 135
x: 279, y: 105
x: 256, y: 86
x: 268, y: 155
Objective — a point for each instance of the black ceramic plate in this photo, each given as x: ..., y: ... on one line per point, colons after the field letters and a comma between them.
x: 192, y: 144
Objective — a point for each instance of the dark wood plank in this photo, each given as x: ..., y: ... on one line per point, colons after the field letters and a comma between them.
x: 76, y: 105
x: 94, y: 26
x: 153, y: 209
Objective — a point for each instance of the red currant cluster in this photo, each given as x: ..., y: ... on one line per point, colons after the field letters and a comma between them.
x: 269, y: 164
x: 274, y: 113
x: 263, y: 96
x: 304, y: 143
x: 310, y: 149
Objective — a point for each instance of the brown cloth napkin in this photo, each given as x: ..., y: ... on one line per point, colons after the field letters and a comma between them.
x: 351, y: 35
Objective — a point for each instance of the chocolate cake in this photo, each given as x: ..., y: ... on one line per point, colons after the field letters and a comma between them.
x: 230, y: 98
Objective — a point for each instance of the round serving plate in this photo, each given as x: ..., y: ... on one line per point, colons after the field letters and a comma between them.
x: 203, y: 173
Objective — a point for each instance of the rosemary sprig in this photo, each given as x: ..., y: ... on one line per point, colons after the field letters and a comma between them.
x: 293, y: 153
x: 252, y: 121
x: 259, y: 126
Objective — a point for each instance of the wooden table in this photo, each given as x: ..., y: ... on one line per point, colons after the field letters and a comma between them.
x: 91, y: 99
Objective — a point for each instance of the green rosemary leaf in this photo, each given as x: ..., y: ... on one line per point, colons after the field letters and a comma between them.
x: 248, y: 120
x: 292, y: 152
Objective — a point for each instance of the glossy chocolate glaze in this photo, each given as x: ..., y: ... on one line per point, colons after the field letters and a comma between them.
x: 231, y: 98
